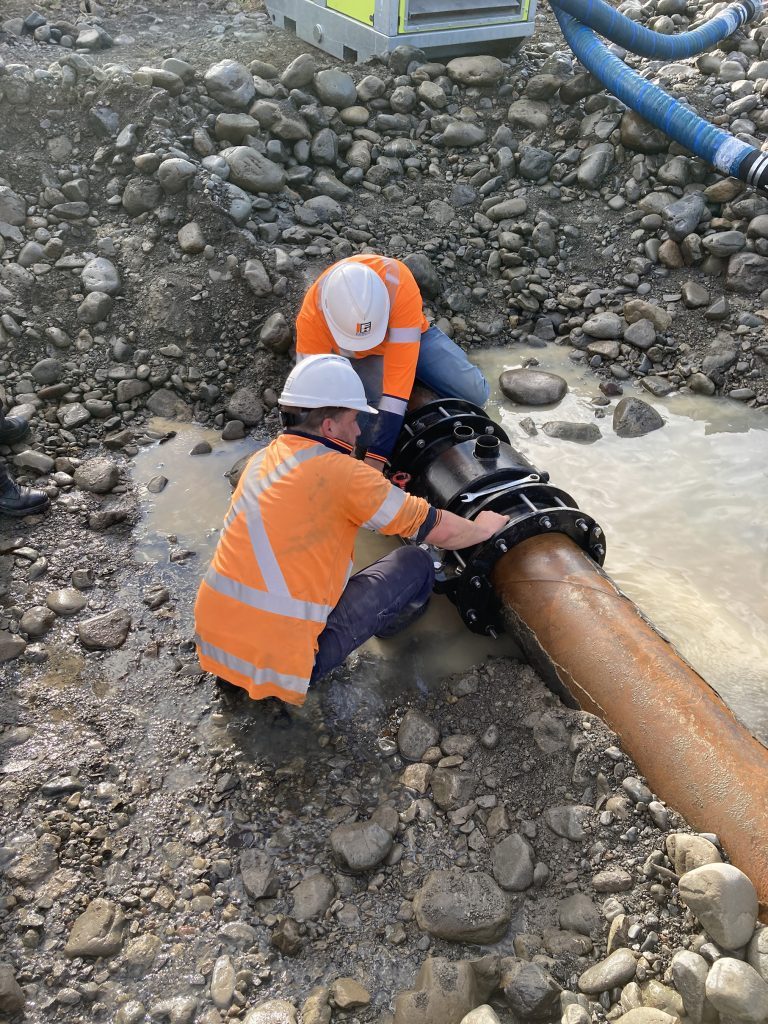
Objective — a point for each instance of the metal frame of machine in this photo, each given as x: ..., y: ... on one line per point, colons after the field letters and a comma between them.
x: 355, y: 30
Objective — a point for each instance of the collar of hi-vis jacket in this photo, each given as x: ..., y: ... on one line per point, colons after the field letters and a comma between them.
x: 335, y: 444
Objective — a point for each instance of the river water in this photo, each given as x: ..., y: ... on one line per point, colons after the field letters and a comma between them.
x: 683, y: 509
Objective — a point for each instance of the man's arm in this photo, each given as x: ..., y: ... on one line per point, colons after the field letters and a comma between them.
x: 453, y: 533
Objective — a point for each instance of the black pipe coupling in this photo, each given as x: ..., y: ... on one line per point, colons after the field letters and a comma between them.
x: 459, y: 459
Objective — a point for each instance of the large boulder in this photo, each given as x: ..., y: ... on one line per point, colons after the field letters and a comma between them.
x: 252, y: 171
x: 532, y: 387
x: 231, y: 84
x: 633, y: 417
x: 480, y: 70
x: 446, y: 990
x: 724, y: 902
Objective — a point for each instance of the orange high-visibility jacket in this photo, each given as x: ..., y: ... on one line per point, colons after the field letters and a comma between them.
x: 400, y: 347
x: 284, y: 558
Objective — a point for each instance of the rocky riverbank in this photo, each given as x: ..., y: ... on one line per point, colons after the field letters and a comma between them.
x: 164, y: 202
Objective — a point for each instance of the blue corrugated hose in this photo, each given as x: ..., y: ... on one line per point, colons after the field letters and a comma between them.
x: 725, y: 152
x: 601, y: 17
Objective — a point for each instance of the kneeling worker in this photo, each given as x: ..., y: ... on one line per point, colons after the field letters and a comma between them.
x: 277, y: 609
x: 369, y: 309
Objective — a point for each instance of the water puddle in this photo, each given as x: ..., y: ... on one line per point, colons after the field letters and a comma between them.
x: 683, y: 511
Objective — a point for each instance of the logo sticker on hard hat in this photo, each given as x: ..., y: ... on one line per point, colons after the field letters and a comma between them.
x: 363, y: 328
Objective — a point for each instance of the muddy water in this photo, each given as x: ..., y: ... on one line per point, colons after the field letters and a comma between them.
x: 683, y: 509
x: 187, y: 515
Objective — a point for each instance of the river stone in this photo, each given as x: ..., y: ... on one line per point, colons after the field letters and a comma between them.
x: 633, y: 417
x: 581, y: 433
x: 252, y: 171
x: 360, y: 845
x: 567, y: 820
x: 689, y: 974
x: 98, y: 931
x: 639, y: 309
x: 641, y: 334
x: 446, y: 990
x: 13, y: 209
x: 532, y: 387
x: 640, y: 136
x: 459, y: 134
x: 47, y: 371
x: 256, y: 277
x: 462, y: 906
x: 681, y: 217
x: 529, y: 990
x: 312, y: 897
x: 578, y: 913
x: 335, y: 88
x: 617, y: 969
x: 11, y: 646
x: 612, y: 879
x: 257, y: 870
x: 105, y: 632
x: 67, y: 601
x: 141, y: 195
x: 11, y: 993
x: 595, y: 164
x: 451, y: 788
x: 223, y: 979
x: 140, y: 954
x: 425, y: 275
x: 531, y: 114
x: 480, y: 70
x: 646, y: 1015
x: 245, y: 405
x: 688, y: 852
x: 605, y: 349
x: 273, y: 1011
x: 299, y: 72
x: 230, y: 83
x: 737, y: 992
x: 37, y: 860
x: 724, y: 902
x: 348, y: 994
x: 416, y: 735
x: 94, y: 308
x: 747, y: 273
x: 72, y: 415
x: 175, y: 174
x: 36, y: 621
x: 757, y: 951
x: 484, y: 1014
x: 276, y: 333
x: 724, y: 243
x: 100, y: 275
x: 98, y: 475
x: 191, y: 238
x: 508, y: 209
x: 604, y: 326
x: 512, y: 863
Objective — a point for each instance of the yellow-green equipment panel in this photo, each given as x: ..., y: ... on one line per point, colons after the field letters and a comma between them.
x: 360, y: 10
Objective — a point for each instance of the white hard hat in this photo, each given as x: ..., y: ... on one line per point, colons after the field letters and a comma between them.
x: 323, y: 380
x: 355, y: 304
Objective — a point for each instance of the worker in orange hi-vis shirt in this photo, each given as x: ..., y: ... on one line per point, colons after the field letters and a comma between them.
x: 369, y: 309
x: 278, y: 607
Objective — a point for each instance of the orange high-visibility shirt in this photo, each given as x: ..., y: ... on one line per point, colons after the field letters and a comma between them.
x: 284, y: 558
x: 400, y: 347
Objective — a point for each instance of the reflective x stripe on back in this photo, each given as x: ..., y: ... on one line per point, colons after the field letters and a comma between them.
x: 276, y: 598
x: 389, y: 403
x: 258, y: 676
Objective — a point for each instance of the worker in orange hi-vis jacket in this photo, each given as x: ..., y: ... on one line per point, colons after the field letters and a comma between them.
x: 278, y: 609
x: 369, y: 309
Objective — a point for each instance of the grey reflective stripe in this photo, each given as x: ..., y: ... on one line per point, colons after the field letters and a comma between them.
x: 266, y: 601
x: 254, y: 463
x: 404, y: 335
x: 254, y: 487
x: 390, y: 404
x: 259, y: 676
x: 387, y: 510
x: 392, y: 280
x: 263, y: 552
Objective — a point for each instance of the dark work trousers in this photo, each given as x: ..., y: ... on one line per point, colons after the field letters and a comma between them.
x: 373, y: 602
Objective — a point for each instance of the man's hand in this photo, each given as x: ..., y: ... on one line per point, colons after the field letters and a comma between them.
x: 491, y: 521
x: 374, y: 463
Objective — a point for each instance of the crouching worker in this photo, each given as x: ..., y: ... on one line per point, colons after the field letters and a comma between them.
x: 277, y: 609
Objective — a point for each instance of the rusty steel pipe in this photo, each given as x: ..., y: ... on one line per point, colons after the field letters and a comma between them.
x: 579, y: 631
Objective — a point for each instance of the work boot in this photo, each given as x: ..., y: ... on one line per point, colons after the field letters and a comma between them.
x: 12, y: 429
x: 19, y: 501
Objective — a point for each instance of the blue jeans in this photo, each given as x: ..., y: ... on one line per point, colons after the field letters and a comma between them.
x: 442, y: 366
x: 375, y: 601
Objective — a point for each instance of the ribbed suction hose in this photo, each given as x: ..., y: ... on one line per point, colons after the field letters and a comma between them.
x: 726, y: 153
